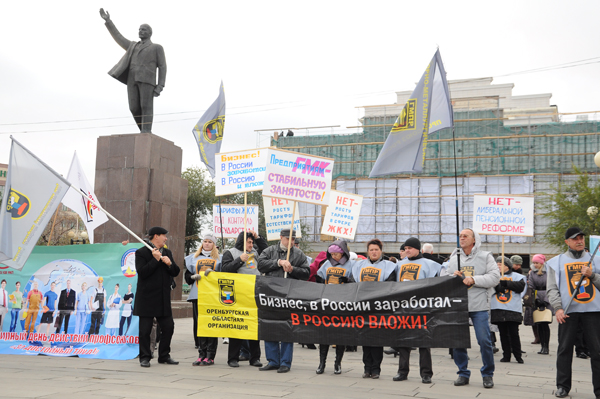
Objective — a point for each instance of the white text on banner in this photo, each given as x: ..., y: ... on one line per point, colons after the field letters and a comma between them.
x: 341, y: 217
x: 232, y: 217
x: 278, y: 216
x: 503, y: 215
x: 298, y: 177
x: 240, y: 171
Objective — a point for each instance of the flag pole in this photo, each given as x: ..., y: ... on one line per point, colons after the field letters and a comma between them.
x: 502, y: 256
x: 221, y: 222
x: 111, y: 217
x: 456, y: 200
x: 287, y: 258
x: 245, y: 207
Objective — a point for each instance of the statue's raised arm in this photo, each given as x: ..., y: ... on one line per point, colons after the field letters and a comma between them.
x: 105, y: 15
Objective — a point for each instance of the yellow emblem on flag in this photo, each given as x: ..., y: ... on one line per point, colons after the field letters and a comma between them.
x: 227, y: 306
x: 408, y: 117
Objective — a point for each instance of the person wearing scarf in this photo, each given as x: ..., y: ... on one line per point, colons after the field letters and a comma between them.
x: 335, y: 270
x: 206, y: 257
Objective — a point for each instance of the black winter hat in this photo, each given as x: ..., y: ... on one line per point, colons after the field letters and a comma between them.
x: 413, y: 242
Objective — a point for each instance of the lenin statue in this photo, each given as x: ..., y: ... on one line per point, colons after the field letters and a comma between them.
x: 137, y: 69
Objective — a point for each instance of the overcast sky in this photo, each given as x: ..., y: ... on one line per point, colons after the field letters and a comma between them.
x: 283, y: 64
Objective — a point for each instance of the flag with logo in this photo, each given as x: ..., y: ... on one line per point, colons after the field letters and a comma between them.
x: 208, y: 132
x: 427, y: 111
x: 90, y: 214
x: 32, y: 194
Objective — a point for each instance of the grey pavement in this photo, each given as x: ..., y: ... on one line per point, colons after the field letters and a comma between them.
x: 55, y: 377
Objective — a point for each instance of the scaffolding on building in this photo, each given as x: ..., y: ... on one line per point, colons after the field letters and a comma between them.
x: 495, y: 150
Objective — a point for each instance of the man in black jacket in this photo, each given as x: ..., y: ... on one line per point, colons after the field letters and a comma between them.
x: 272, y: 262
x: 155, y: 270
x: 66, y: 306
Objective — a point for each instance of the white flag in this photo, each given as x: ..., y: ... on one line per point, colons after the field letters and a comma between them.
x: 33, y: 192
x: 89, y: 213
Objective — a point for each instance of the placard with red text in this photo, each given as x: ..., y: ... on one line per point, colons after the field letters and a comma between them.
x: 503, y: 215
x: 341, y: 217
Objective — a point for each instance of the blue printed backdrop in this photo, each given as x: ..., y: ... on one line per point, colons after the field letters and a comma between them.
x: 82, y: 265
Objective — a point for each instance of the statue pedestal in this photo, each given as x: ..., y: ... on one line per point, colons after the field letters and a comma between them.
x: 138, y: 181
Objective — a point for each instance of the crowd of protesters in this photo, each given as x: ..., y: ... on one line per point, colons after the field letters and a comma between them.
x: 500, y: 299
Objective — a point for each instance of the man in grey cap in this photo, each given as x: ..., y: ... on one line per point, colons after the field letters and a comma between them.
x: 564, y: 273
x: 155, y: 270
x: 272, y: 262
x: 517, y: 264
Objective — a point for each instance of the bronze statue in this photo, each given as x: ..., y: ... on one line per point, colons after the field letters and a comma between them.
x: 137, y: 69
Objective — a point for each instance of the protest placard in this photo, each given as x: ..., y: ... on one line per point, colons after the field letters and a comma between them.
x: 229, y: 219
x: 341, y: 217
x: 278, y: 216
x: 240, y: 171
x: 504, y: 215
x: 298, y: 177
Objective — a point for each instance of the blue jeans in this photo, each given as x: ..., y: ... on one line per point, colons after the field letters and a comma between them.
x: 14, y: 317
x: 279, y: 355
x: 482, y: 332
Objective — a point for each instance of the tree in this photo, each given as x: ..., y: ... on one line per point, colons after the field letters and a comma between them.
x: 572, y: 204
x: 65, y: 221
x: 201, y: 196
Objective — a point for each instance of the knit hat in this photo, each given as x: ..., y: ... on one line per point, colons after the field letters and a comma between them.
x: 402, y: 248
x: 507, y: 261
x: 516, y: 259
x: 413, y: 242
x: 335, y: 249
x: 539, y: 258
x: 210, y: 237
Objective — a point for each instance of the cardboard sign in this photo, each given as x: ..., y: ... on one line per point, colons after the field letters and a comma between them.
x: 278, y: 216
x: 298, y: 177
x: 341, y: 217
x: 232, y: 218
x: 503, y: 215
x: 240, y: 171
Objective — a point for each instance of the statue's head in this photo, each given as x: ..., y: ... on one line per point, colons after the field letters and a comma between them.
x: 145, y: 31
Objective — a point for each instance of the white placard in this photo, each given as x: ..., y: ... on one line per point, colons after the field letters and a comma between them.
x: 233, y: 219
x: 240, y: 171
x: 341, y: 217
x: 278, y: 216
x: 298, y: 177
x: 503, y: 215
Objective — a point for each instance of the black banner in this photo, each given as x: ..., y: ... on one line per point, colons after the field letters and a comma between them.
x: 428, y: 313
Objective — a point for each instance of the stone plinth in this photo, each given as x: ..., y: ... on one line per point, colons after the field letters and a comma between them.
x: 138, y: 180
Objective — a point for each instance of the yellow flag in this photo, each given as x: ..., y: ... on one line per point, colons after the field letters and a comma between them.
x: 227, y: 306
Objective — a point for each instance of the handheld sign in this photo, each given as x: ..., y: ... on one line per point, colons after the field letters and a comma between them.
x: 504, y: 215
x: 278, y: 216
x: 230, y: 219
x: 240, y: 171
x: 298, y: 177
x: 341, y: 217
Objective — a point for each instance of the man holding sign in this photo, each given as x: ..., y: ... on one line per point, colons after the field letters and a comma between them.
x: 275, y: 262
